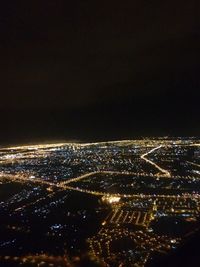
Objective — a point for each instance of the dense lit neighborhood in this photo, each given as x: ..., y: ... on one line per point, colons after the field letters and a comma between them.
x: 119, y: 203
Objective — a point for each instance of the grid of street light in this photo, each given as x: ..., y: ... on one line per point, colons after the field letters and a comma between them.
x: 119, y: 202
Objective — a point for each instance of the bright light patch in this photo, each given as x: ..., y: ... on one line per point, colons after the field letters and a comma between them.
x: 111, y: 199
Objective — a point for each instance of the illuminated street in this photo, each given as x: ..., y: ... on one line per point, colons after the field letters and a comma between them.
x: 112, y: 202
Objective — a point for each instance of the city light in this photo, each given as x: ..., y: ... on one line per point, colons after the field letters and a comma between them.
x: 118, y: 194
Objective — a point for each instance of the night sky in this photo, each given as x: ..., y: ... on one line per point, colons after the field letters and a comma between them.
x: 98, y: 70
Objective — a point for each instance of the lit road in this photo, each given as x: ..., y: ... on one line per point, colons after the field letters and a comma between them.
x: 144, y: 157
x: 143, y: 191
x: 194, y: 164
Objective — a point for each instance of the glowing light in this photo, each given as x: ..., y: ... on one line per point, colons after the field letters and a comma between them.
x: 111, y: 199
